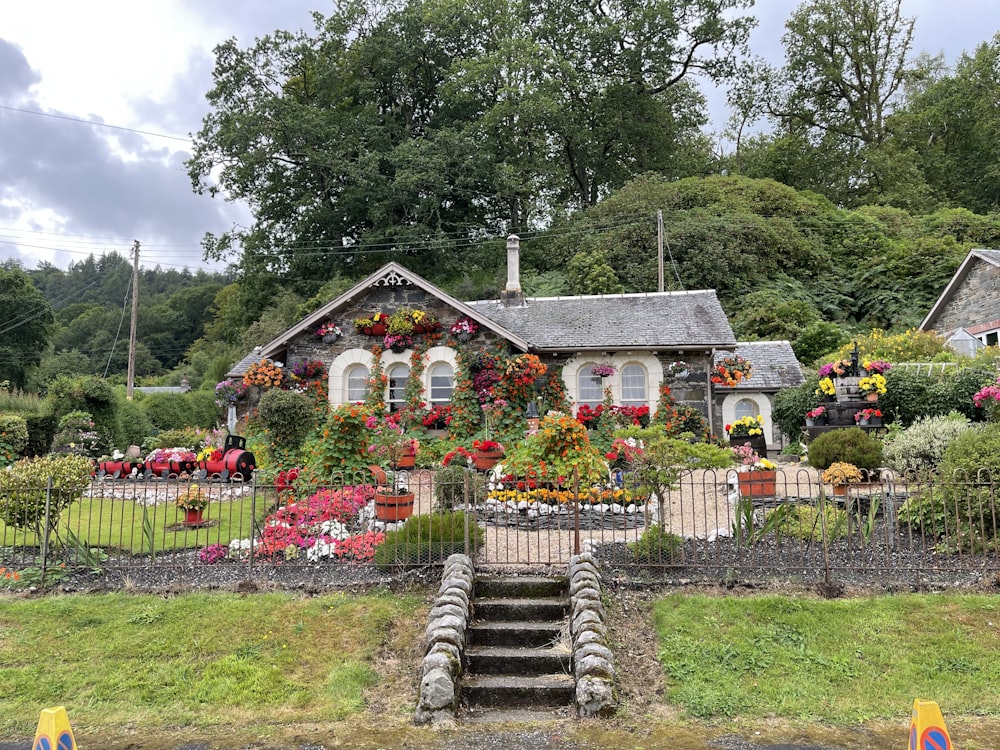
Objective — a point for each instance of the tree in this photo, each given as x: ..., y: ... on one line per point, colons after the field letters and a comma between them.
x: 407, y: 131
x: 845, y: 64
x: 26, y: 320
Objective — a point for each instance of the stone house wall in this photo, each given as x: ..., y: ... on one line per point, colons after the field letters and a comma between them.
x: 976, y: 300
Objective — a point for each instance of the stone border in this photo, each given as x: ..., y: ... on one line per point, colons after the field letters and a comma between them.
x: 447, y: 621
x: 593, y: 662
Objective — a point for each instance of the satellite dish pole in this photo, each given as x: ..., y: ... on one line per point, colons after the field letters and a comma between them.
x: 135, y: 317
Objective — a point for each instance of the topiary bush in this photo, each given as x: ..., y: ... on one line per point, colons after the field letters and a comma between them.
x: 23, y: 489
x: 920, y: 448
x: 289, y: 417
x: 851, y: 445
x: 90, y: 394
x: 428, y: 539
x: 173, y: 411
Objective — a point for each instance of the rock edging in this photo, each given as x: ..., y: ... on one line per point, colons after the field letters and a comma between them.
x: 593, y: 661
x: 447, y: 621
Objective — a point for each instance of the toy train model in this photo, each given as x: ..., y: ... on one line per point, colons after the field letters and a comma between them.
x: 235, y: 461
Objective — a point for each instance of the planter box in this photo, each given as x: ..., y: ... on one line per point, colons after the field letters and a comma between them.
x: 757, y: 442
x: 486, y: 460
x: 758, y: 484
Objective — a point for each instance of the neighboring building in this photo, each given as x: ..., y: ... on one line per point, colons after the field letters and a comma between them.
x: 969, y: 307
x: 774, y: 368
x: 640, y: 335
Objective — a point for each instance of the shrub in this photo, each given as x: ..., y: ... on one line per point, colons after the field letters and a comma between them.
x: 450, y: 483
x: 429, y: 539
x: 41, y: 430
x: 13, y: 438
x: 23, y: 488
x: 78, y: 434
x: 851, y: 445
x: 340, y: 446
x: 135, y: 425
x: 172, y: 411
x: 92, y: 395
x: 288, y: 416
x: 809, y: 523
x: 969, y: 472
x: 920, y: 448
x: 953, y: 391
x: 791, y: 404
x: 909, y: 396
x: 656, y: 546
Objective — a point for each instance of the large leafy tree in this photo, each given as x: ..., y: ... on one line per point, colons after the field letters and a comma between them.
x: 846, y: 62
x: 411, y: 130
x: 25, y: 323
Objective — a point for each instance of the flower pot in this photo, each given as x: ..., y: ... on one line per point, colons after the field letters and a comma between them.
x: 862, y: 423
x: 875, y: 421
x: 377, y: 330
x: 840, y: 490
x: 398, y: 348
x: 810, y: 422
x: 193, y: 517
x: 329, y: 338
x: 463, y: 336
x: 393, y: 507
x: 486, y: 460
x: 872, y: 397
x: 822, y: 421
x: 406, y: 462
x: 419, y: 328
x: 758, y: 484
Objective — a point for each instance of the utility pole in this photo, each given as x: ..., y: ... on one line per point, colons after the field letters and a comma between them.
x: 135, y: 318
x: 659, y: 247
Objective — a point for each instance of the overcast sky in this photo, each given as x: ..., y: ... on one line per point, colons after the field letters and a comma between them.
x: 68, y: 189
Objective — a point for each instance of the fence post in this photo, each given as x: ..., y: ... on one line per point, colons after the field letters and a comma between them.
x: 576, y: 511
x: 465, y: 493
x: 45, y: 535
x: 253, y: 520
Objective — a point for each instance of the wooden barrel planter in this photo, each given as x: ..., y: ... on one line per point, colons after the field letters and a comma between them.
x: 393, y: 507
x: 758, y: 484
x: 486, y: 460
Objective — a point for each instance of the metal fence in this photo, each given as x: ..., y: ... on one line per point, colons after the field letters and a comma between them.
x: 713, y: 525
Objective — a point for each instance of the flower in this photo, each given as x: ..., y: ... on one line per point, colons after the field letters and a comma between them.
x: 839, y: 369
x: 329, y: 329
x: 397, y: 341
x: 309, y: 368
x: 867, y: 414
x: 840, y: 473
x: 676, y: 368
x: 264, y: 373
x: 388, y: 440
x: 746, y: 426
x: 452, y: 455
x: 602, y: 370
x: 987, y: 396
x: 872, y: 384
x: 819, y: 411
x: 826, y: 387
x: 731, y: 371
x: 192, y: 499
x: 464, y: 325
x: 876, y: 366
x: 228, y: 392
x: 488, y: 446
x: 750, y: 460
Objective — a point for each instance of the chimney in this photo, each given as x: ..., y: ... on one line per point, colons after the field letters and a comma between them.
x: 512, y: 296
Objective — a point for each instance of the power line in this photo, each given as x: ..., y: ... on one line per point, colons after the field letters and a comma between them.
x: 94, y: 123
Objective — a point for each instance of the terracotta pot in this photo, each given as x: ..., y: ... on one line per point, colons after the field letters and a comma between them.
x: 758, y: 483
x: 840, y: 490
x: 486, y: 460
x: 393, y: 507
x: 378, y: 329
x: 193, y: 517
x: 406, y: 462
x: 872, y: 397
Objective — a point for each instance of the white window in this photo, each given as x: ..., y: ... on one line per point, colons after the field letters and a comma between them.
x: 746, y: 407
x: 634, y: 385
x: 442, y: 380
x: 397, y: 376
x: 357, y: 383
x: 588, y: 386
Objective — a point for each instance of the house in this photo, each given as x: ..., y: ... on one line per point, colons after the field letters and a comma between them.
x: 969, y: 307
x: 640, y: 335
x: 774, y: 367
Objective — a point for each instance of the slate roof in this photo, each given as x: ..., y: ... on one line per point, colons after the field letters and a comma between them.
x: 774, y: 365
x: 654, y: 320
x: 240, y: 368
x: 989, y: 256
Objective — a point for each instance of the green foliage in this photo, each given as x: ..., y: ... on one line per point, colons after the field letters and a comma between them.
x: 25, y: 336
x: 791, y: 404
x: 171, y: 411
x: 589, y: 273
x: 813, y: 522
x: 23, y: 489
x: 766, y: 316
x: 969, y: 474
x: 25, y: 403
x: 288, y: 416
x: 90, y: 394
x: 656, y: 546
x: 920, y: 448
x: 926, y: 512
x: 77, y: 434
x: 339, y: 447
x: 428, y: 539
x: 559, y: 449
x: 451, y: 483
x: 817, y: 339
x: 41, y: 430
x: 851, y: 445
x: 135, y: 425
x: 13, y: 438
x: 952, y: 391
x: 191, y: 438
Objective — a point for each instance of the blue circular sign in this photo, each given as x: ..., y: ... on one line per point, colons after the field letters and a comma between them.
x: 43, y: 743
x: 934, y: 738
x: 65, y: 741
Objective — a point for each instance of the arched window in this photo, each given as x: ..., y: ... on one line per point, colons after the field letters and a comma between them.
x: 634, y: 389
x: 357, y: 383
x: 397, y: 376
x: 442, y: 380
x: 746, y: 407
x: 588, y: 386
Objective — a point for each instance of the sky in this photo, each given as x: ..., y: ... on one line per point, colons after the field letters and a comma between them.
x: 69, y: 189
